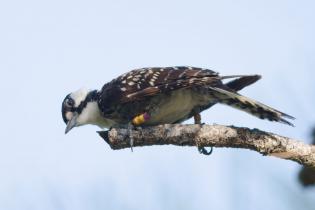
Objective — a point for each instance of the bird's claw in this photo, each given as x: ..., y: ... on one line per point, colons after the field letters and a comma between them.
x: 136, y: 121
x: 197, y: 119
x: 202, y: 150
x: 131, y: 141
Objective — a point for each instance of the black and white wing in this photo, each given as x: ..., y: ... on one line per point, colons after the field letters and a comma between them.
x: 141, y: 83
x: 136, y: 86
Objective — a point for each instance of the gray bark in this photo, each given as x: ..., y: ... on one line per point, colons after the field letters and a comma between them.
x: 307, y: 174
x: 214, y: 136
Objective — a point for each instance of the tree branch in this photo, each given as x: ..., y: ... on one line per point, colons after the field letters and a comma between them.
x: 214, y: 136
x: 307, y: 174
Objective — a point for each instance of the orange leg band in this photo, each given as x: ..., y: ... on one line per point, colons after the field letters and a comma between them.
x: 140, y: 119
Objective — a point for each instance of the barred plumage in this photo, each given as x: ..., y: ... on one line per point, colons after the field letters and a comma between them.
x: 133, y: 93
x: 168, y: 95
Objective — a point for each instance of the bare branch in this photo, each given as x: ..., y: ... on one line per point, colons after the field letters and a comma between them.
x: 307, y: 174
x: 214, y: 136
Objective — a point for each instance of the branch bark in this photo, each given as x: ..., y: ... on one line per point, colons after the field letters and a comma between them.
x: 214, y: 136
x: 307, y: 174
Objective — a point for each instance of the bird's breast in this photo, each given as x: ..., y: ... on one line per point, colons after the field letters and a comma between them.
x: 176, y: 106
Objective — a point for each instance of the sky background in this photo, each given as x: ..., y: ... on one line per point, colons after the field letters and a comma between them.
x: 50, y: 48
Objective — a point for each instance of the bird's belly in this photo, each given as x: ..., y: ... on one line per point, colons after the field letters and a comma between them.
x: 175, y: 107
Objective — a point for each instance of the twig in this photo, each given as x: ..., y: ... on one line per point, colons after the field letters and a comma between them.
x: 214, y: 136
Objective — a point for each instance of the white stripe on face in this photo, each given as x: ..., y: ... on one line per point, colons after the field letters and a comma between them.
x: 79, y: 96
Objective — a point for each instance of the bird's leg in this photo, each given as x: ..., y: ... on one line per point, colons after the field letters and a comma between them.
x: 136, y: 121
x: 202, y: 150
x: 129, y: 129
x: 197, y: 118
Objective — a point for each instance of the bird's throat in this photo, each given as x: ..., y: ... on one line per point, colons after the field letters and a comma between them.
x: 91, y: 114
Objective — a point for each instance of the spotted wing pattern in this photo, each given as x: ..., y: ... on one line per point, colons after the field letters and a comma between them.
x: 140, y: 83
x: 136, y: 86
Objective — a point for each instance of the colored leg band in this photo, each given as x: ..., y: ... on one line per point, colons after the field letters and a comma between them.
x: 140, y: 119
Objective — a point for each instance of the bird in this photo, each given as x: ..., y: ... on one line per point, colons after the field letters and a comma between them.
x: 162, y: 95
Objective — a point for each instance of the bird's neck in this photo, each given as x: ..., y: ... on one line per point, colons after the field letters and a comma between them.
x: 91, y: 114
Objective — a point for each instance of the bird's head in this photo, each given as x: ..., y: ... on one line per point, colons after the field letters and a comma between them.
x: 76, y: 109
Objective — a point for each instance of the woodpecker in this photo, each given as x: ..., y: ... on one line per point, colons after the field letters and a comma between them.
x: 162, y: 95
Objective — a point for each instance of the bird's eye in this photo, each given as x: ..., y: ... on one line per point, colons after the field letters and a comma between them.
x: 69, y: 102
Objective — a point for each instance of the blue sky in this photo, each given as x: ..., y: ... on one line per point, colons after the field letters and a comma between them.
x: 50, y: 48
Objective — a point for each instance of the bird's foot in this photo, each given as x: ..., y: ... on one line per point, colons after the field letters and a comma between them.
x: 129, y: 130
x: 203, y: 150
x: 136, y: 121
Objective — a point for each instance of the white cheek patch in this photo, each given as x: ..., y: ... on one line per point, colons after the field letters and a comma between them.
x: 69, y: 115
x: 79, y: 95
x: 89, y: 115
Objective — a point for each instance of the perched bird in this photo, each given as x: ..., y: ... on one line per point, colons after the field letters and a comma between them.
x: 153, y: 96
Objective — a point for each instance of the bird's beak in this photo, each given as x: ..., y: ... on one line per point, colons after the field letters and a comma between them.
x: 72, y: 123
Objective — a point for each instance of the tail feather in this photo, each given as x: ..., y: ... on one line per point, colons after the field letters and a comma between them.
x: 251, y: 106
x: 240, y: 83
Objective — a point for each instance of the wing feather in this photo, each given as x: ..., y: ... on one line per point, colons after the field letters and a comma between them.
x: 152, y: 81
x: 141, y: 83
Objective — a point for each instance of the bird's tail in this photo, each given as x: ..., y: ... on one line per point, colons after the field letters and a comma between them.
x: 250, y: 106
x: 241, y: 82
